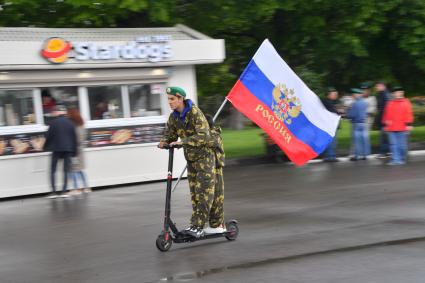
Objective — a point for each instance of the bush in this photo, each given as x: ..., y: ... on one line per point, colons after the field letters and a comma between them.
x: 418, y: 103
x: 419, y: 113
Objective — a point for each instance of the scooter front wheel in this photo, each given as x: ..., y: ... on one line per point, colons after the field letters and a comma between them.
x: 232, y: 230
x: 164, y: 242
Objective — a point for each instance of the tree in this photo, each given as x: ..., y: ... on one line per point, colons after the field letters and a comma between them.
x: 328, y: 42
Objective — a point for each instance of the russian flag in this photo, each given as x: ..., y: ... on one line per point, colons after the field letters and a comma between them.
x: 270, y: 94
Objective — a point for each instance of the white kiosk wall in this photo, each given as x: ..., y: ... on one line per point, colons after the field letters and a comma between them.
x: 29, y: 173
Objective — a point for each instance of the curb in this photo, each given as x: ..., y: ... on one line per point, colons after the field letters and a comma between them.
x: 245, y: 161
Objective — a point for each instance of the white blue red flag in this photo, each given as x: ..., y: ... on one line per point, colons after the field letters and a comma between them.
x: 270, y: 94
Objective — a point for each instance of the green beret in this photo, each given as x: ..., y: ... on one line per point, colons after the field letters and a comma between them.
x: 175, y: 90
x: 356, y: 90
x: 365, y: 85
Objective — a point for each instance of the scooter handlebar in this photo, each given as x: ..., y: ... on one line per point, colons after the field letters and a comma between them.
x: 167, y: 146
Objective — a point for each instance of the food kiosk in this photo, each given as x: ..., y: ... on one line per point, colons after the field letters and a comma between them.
x: 117, y: 79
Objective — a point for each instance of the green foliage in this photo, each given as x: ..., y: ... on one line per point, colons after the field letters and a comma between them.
x: 328, y: 42
x: 419, y: 115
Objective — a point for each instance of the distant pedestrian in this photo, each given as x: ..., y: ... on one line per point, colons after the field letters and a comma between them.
x: 398, y: 120
x: 78, y: 162
x: 357, y: 114
x: 61, y: 140
x: 383, y: 96
x: 330, y: 103
x: 371, y: 103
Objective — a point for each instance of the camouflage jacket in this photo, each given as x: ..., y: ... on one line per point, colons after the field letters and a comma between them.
x: 216, y: 143
x: 192, y: 129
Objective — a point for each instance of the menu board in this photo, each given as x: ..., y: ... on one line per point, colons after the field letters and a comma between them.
x: 106, y: 136
x: 111, y: 136
x: 21, y: 143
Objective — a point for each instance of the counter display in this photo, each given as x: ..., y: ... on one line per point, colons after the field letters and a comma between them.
x: 110, y: 136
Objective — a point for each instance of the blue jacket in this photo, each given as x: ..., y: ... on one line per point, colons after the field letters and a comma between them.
x: 61, y: 136
x: 357, y: 113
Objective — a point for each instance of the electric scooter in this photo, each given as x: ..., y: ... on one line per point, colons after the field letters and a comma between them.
x: 170, y: 233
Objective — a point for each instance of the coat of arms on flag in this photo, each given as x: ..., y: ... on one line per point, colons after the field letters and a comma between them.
x: 286, y: 104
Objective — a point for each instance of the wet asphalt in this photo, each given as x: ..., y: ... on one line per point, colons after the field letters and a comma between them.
x: 342, y: 222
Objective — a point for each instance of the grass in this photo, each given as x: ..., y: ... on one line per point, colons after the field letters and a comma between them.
x: 246, y: 142
x: 249, y: 142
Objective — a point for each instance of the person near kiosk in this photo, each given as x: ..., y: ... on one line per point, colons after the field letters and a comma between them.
x: 61, y: 140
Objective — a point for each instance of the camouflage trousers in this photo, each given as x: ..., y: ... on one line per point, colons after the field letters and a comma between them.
x: 216, y: 211
x: 201, y: 179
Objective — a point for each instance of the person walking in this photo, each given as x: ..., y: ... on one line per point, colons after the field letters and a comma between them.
x: 61, y: 140
x: 357, y: 113
x: 382, y: 97
x: 78, y: 162
x: 188, y: 123
x: 398, y: 121
x: 330, y: 103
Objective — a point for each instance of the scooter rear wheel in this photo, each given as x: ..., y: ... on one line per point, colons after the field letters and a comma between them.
x: 163, y: 242
x: 232, y: 231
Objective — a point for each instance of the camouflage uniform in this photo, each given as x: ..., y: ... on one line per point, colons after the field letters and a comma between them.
x: 216, y: 212
x: 193, y: 130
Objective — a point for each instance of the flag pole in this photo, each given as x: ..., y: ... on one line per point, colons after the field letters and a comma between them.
x: 214, y: 118
x: 219, y: 109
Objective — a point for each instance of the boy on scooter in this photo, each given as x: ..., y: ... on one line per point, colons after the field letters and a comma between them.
x: 188, y: 123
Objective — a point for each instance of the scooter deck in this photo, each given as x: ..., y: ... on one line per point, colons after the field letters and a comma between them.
x: 185, y: 238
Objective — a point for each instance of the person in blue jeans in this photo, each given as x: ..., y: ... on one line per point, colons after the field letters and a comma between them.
x: 61, y: 140
x: 357, y: 114
x: 398, y: 121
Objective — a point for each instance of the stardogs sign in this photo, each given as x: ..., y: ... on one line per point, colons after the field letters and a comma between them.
x: 151, y: 48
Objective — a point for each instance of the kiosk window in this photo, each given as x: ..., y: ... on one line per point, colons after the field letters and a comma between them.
x: 16, y: 108
x: 105, y: 102
x: 145, y: 100
x: 52, y: 96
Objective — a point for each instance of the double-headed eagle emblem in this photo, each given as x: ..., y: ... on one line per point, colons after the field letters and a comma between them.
x: 285, y: 105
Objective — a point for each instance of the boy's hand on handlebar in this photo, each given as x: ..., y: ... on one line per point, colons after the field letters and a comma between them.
x: 162, y: 144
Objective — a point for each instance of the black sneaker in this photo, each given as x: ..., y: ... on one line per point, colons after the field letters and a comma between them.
x: 354, y: 159
x: 195, y: 232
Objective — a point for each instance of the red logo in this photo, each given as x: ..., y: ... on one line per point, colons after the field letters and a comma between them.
x: 55, y: 49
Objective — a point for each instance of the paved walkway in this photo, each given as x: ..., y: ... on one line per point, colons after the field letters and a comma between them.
x: 343, y: 222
